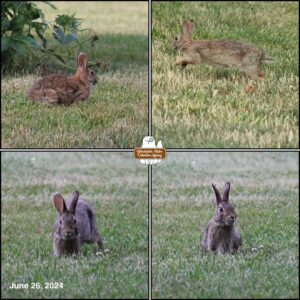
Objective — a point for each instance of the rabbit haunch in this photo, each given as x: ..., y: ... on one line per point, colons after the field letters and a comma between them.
x: 221, y: 235
x: 74, y: 225
x: 224, y: 53
x: 62, y: 89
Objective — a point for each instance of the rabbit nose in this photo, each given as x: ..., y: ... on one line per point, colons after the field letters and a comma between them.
x: 232, y: 218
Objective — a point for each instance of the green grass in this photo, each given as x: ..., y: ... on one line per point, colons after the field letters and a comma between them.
x: 115, y: 116
x: 114, y: 184
x: 208, y: 107
x: 264, y: 191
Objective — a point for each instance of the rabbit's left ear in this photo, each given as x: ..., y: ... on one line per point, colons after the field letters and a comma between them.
x: 81, y: 60
x: 74, y: 200
x: 226, y: 192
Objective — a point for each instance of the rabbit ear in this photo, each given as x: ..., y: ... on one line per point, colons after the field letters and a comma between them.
x: 226, y: 192
x: 81, y: 60
x: 59, y: 203
x: 188, y: 27
x: 218, y: 196
x: 73, y: 199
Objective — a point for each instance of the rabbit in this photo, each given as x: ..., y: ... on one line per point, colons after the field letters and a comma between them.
x: 63, y: 89
x: 74, y: 225
x: 221, y: 236
x: 222, y: 53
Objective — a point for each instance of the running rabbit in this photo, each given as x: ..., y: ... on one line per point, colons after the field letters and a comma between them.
x: 74, y: 225
x: 63, y: 89
x: 222, y: 53
x: 221, y: 235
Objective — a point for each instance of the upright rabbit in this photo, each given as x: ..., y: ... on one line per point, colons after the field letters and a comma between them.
x: 74, y: 225
x: 223, y: 53
x: 221, y: 235
x: 62, y: 89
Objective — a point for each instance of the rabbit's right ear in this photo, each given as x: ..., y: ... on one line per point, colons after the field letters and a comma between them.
x: 74, y: 200
x: 218, y: 196
x: 188, y: 27
x: 59, y: 203
x: 81, y: 60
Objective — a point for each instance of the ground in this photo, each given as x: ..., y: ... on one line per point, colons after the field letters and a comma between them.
x: 209, y: 107
x: 115, y: 116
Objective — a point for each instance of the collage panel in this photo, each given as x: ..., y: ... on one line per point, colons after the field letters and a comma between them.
x: 80, y: 78
x: 149, y: 149
x: 257, y: 220
x: 225, y: 74
x: 40, y: 238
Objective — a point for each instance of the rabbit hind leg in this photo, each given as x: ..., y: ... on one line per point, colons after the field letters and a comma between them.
x: 46, y: 96
x: 97, y: 239
x: 203, y: 245
x: 254, y: 72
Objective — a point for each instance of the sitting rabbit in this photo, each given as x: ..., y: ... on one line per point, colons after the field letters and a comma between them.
x: 62, y: 89
x: 74, y: 225
x: 221, y: 235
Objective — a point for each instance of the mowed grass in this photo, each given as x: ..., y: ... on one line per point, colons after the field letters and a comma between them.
x: 265, y: 193
x: 208, y: 107
x: 115, y: 115
x: 117, y: 188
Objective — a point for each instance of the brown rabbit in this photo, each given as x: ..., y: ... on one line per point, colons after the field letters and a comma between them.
x: 62, y: 89
x: 221, y: 236
x: 74, y: 225
x: 223, y: 53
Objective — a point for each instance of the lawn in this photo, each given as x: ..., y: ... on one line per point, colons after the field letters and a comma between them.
x: 117, y: 188
x: 265, y: 193
x: 208, y: 107
x: 115, y: 116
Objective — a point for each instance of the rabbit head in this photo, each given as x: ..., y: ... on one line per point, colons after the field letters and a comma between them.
x: 225, y: 213
x: 67, y: 223
x: 185, y: 39
x: 83, y: 72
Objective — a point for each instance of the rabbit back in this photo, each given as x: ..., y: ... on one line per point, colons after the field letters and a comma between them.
x: 59, y: 89
x: 227, y: 53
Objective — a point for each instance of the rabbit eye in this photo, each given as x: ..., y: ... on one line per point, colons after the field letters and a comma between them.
x: 74, y: 221
x: 221, y: 209
x: 92, y: 73
x: 60, y: 221
x: 176, y: 38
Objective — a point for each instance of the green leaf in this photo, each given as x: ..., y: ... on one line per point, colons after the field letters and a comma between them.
x: 5, y: 43
x: 59, y: 35
x: 20, y: 48
x: 71, y: 37
x: 29, y: 41
x: 17, y: 23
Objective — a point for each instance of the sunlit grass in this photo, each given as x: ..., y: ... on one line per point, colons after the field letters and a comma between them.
x: 115, y: 116
x: 208, y: 107
x: 264, y: 191
x: 27, y: 216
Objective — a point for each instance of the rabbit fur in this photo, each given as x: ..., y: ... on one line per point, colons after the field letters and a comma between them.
x: 224, y: 53
x: 221, y: 236
x: 74, y: 225
x: 62, y: 89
